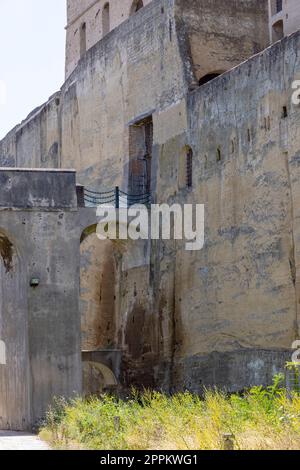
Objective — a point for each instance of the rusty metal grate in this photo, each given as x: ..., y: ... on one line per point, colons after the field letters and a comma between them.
x: 189, y: 168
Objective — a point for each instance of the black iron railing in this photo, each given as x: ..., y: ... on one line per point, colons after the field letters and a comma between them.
x: 116, y: 198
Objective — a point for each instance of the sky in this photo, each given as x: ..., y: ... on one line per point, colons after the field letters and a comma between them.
x: 32, y: 52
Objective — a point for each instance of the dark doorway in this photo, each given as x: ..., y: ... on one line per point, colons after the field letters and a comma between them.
x: 140, y: 156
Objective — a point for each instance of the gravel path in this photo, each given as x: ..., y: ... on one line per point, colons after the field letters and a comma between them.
x: 21, y: 441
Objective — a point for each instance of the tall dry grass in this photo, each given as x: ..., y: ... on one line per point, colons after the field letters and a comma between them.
x: 259, y: 419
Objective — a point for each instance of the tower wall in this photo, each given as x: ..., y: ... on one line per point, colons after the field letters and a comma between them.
x: 284, y: 18
x: 90, y: 13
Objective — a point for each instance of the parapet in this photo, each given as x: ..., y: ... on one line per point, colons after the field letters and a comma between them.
x: 31, y: 189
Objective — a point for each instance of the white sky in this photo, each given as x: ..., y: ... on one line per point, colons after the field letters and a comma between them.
x: 32, y: 49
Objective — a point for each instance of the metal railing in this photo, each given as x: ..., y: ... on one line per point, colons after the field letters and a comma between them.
x: 115, y: 198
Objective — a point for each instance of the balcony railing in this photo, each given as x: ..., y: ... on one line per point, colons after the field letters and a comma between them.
x: 114, y: 198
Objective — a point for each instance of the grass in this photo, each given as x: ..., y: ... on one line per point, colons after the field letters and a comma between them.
x: 258, y: 419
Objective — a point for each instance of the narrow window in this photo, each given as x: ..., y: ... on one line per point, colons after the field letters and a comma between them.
x: 189, y: 168
x: 140, y: 156
x: 105, y: 20
x: 219, y: 155
x: 82, y: 39
x: 284, y: 112
x: 276, y: 7
x: 249, y: 135
x: 267, y: 123
x: 170, y: 30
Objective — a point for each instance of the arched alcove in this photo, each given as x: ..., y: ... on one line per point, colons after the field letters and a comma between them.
x: 277, y: 31
x: 97, y: 378
x: 136, y: 6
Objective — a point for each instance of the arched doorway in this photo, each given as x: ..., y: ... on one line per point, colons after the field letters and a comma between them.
x: 14, y: 366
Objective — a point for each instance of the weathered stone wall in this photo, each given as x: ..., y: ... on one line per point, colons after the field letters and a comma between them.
x: 237, y: 301
x: 289, y: 16
x: 166, y: 318
x: 90, y: 13
x: 222, y: 33
x: 145, y: 65
x: 36, y: 142
x: 40, y: 325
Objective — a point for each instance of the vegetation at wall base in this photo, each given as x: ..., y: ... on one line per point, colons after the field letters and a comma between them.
x: 259, y: 419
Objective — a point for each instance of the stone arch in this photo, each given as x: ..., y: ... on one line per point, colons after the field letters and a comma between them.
x: 97, y: 378
x: 136, y: 6
x: 14, y: 365
x: 209, y: 76
x: 106, y: 19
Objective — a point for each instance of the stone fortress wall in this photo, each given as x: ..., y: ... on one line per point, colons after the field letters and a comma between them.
x: 227, y: 315
x: 39, y: 286
x: 284, y: 18
x: 88, y: 21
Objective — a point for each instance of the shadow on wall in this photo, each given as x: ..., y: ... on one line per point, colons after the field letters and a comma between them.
x: 97, y: 307
x: 97, y: 293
